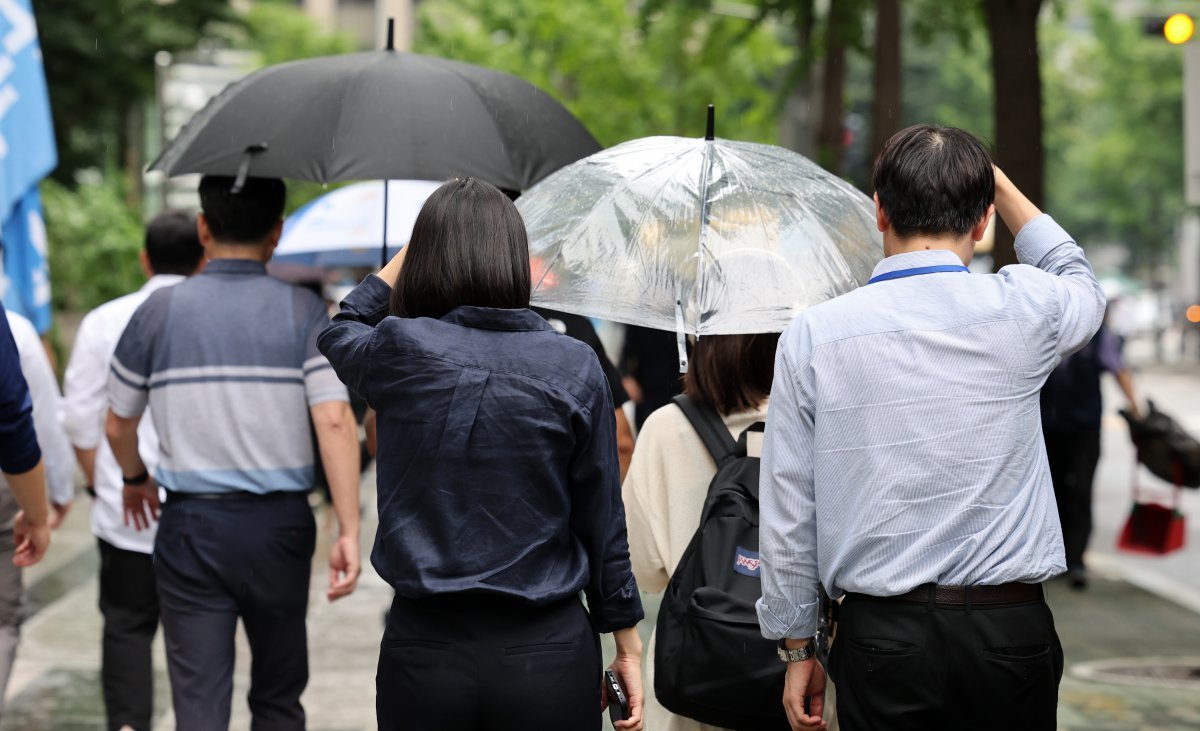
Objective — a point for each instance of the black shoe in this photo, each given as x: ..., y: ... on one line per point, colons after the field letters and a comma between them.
x: 1078, y: 579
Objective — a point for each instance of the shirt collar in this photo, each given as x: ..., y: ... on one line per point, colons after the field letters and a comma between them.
x: 915, y: 260
x: 492, y: 318
x: 158, y: 281
x: 234, y: 266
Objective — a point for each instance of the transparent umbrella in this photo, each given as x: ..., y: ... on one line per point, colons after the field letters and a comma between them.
x: 698, y: 236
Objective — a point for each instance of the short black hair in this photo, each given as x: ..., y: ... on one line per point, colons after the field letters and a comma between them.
x: 934, y: 181
x: 733, y: 373
x: 172, y: 243
x: 468, y: 247
x: 245, y: 217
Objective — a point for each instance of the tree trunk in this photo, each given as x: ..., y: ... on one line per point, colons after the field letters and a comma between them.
x: 831, y: 142
x: 1016, y: 74
x: 886, y: 107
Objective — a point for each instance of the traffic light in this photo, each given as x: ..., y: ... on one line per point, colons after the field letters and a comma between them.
x: 1177, y: 29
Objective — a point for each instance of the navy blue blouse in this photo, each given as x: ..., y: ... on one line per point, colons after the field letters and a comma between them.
x: 497, y: 464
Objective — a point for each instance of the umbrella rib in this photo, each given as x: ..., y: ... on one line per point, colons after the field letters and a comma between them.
x: 347, y: 89
x: 491, y: 117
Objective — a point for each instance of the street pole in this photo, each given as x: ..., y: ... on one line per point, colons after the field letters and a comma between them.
x: 1189, y: 229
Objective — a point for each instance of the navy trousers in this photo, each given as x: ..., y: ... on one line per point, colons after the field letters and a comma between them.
x: 218, y: 560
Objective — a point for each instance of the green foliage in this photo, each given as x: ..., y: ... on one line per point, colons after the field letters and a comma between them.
x: 279, y: 32
x: 99, y: 61
x: 623, y: 78
x: 1115, y: 136
x: 94, y: 240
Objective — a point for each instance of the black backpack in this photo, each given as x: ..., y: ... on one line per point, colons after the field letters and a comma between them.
x: 711, y: 664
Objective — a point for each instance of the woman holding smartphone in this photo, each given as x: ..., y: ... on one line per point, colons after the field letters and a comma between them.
x: 499, y: 485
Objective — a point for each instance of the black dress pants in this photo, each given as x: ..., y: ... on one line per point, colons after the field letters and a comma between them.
x: 918, y: 667
x: 220, y: 560
x: 482, y: 663
x: 1073, y: 459
x: 129, y: 604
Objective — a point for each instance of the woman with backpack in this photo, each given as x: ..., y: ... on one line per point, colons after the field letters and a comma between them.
x: 669, y: 478
x: 498, y: 481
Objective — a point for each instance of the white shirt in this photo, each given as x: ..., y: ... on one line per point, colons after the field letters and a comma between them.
x: 57, y: 457
x: 85, y: 407
x: 904, y: 444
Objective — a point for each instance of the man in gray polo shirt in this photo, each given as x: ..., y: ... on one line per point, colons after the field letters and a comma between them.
x: 228, y: 365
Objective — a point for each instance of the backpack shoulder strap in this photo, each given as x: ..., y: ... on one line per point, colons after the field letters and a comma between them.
x: 711, y: 429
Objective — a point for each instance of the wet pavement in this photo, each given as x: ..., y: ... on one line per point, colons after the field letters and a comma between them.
x: 55, y: 684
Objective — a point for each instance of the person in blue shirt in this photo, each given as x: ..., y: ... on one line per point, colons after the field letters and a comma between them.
x: 499, y: 486
x: 20, y: 456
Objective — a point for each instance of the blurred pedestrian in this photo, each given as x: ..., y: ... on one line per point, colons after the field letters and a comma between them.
x: 650, y: 362
x: 499, y: 489
x: 21, y: 464
x: 581, y: 328
x: 1072, y: 408
x: 668, y: 480
x: 904, y: 466
x: 128, y: 592
x: 60, y: 479
x: 228, y: 365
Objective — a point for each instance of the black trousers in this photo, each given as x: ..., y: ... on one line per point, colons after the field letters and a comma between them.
x: 488, y: 663
x: 918, y: 667
x: 221, y: 560
x: 1073, y: 459
x: 129, y: 604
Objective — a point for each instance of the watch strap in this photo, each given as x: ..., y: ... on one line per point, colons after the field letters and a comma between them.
x: 796, y: 655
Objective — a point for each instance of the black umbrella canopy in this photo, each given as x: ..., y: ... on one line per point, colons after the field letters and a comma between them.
x: 379, y: 115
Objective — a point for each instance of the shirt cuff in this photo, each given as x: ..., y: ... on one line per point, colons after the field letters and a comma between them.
x: 1038, y: 238
x: 617, y: 611
x: 801, y: 624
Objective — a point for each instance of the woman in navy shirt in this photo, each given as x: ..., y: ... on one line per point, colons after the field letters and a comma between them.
x: 499, y: 486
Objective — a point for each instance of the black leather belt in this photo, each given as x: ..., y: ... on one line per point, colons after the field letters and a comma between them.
x: 961, y: 596
x: 175, y: 495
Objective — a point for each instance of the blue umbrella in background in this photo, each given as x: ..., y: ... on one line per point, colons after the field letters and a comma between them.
x: 343, y: 228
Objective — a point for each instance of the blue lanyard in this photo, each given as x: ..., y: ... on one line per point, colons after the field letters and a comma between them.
x: 902, y: 273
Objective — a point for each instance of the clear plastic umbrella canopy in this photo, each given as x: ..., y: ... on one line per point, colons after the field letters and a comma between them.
x: 706, y: 237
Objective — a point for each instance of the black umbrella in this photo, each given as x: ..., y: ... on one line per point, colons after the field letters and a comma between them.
x: 380, y: 115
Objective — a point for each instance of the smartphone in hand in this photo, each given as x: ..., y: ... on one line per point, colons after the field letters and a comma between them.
x: 618, y: 702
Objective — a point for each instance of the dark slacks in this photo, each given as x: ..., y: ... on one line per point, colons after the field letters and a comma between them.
x: 488, y: 663
x: 220, y: 560
x: 129, y: 604
x: 916, y: 667
x: 1073, y: 459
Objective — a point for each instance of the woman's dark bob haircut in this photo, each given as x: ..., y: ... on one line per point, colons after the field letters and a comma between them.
x: 732, y: 372
x: 468, y: 247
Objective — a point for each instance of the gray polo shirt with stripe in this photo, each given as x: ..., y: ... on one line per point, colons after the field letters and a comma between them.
x: 228, y: 364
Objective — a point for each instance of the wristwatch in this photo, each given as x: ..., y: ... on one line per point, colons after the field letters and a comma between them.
x: 800, y: 655
x: 139, y: 479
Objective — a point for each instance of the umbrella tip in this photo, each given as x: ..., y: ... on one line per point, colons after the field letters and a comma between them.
x: 391, y: 34
x: 710, y: 131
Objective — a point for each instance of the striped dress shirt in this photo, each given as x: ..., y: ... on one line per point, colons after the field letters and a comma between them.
x: 904, y: 441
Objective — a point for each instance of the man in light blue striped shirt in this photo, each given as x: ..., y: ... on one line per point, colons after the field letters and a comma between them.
x: 904, y: 466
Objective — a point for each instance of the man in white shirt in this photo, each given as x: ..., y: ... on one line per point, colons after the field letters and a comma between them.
x: 60, y: 482
x: 128, y: 595
x: 904, y: 467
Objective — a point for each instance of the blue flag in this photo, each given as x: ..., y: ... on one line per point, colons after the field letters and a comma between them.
x: 27, y: 154
x: 26, y: 288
